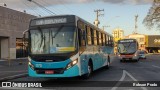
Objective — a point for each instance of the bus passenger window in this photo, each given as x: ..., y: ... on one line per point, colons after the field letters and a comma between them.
x: 81, y: 37
x: 104, y: 40
x: 92, y: 36
x: 95, y: 37
x: 100, y: 39
x: 89, y: 36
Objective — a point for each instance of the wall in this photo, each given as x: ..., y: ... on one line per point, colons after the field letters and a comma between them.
x: 12, y: 25
x: 4, y: 47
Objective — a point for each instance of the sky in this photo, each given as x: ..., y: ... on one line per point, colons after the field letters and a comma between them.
x: 117, y: 13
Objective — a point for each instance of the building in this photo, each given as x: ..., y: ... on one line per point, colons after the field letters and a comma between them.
x: 117, y: 35
x: 140, y: 38
x: 149, y: 43
x: 12, y: 25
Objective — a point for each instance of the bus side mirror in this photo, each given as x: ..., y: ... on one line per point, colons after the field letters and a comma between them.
x: 24, y: 38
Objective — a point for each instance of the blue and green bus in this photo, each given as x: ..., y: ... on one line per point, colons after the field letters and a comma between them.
x: 66, y: 46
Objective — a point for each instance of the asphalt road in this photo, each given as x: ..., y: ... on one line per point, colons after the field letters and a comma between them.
x: 144, y: 70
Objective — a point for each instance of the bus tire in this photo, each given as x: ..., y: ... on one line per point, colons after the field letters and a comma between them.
x: 86, y: 76
x: 137, y: 60
x: 108, y: 63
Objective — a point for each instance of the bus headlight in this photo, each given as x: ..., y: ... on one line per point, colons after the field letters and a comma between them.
x: 31, y: 65
x: 71, y: 64
x: 29, y: 59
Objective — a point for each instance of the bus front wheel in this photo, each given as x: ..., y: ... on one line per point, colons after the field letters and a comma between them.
x: 86, y: 76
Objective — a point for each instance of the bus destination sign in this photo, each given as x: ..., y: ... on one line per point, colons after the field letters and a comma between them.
x: 48, y: 21
x: 126, y: 40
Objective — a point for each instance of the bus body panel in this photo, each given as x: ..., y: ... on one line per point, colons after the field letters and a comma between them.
x: 47, y: 65
x: 98, y: 59
x: 72, y: 72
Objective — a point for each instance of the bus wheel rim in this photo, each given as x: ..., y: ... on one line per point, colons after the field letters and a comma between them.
x: 89, y: 69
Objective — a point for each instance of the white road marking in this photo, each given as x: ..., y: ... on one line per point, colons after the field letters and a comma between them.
x: 155, y: 66
x: 2, y: 60
x: 13, y: 76
x: 13, y: 71
x: 122, y: 79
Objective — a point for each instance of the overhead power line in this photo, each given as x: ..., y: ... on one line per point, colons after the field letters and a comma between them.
x: 57, y: 11
x: 47, y: 10
x: 36, y: 12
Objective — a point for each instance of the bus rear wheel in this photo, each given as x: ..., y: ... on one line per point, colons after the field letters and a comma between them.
x: 108, y: 63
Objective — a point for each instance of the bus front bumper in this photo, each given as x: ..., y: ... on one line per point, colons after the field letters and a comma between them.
x: 71, y: 72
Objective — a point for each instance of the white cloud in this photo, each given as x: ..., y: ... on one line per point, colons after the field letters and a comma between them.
x: 25, y: 4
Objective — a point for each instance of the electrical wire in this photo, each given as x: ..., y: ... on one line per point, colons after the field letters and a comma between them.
x: 47, y: 10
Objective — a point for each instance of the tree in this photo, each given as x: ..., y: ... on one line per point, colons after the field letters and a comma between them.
x: 153, y: 17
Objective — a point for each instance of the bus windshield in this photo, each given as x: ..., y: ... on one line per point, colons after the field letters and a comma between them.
x: 127, y: 48
x: 53, y: 40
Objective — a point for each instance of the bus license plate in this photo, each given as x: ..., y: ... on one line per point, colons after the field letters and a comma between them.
x: 49, y: 72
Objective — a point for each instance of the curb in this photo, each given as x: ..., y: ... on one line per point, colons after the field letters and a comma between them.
x: 13, y: 77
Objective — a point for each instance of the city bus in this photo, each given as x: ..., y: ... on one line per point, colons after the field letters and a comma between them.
x: 128, y: 49
x: 66, y: 46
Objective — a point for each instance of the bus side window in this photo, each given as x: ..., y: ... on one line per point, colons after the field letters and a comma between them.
x: 89, y: 36
x: 81, y: 33
x: 106, y: 40
x: 97, y: 32
x: 100, y: 39
x: 82, y: 38
x: 112, y: 42
x: 103, y: 39
x: 92, y: 36
x: 95, y: 37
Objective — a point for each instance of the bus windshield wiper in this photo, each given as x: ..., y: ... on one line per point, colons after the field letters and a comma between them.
x: 40, y: 30
x: 58, y: 30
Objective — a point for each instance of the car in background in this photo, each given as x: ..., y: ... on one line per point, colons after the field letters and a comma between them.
x: 142, y: 54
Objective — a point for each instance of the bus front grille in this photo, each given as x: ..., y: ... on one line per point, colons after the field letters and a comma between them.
x: 56, y: 71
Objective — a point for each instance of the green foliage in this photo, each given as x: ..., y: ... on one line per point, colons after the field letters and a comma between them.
x: 153, y: 17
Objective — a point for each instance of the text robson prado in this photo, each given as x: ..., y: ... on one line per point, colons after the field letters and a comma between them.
x: 145, y: 84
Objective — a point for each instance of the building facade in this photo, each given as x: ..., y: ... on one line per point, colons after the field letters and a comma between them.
x: 117, y: 35
x: 140, y: 38
x: 12, y: 25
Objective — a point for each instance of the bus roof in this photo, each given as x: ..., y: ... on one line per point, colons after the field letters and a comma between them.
x: 94, y: 27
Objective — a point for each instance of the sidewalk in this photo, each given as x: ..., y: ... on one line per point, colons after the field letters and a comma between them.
x: 16, y: 69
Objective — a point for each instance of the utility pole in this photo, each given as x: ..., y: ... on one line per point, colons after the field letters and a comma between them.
x: 136, y: 26
x: 103, y: 27
x: 96, y: 22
